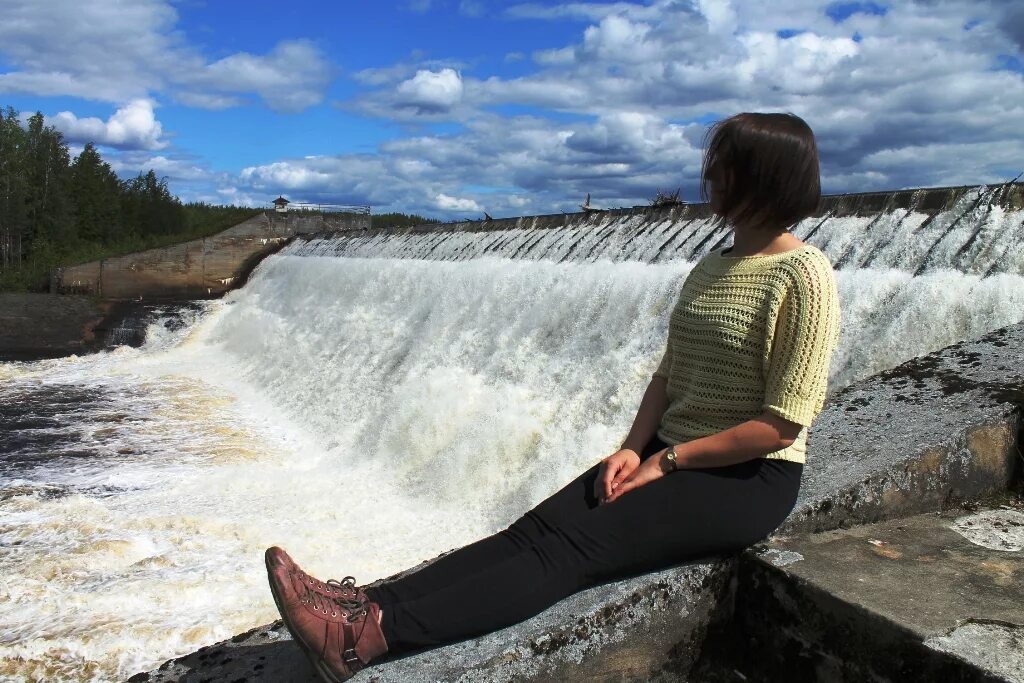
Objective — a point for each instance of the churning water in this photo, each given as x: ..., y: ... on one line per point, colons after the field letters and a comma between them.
x: 439, y: 384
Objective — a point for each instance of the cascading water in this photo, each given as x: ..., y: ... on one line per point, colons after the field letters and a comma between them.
x: 441, y: 383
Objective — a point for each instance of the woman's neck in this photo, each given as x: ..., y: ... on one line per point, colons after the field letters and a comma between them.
x: 753, y: 241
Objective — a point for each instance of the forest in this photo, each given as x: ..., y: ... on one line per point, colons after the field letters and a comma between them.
x: 56, y: 210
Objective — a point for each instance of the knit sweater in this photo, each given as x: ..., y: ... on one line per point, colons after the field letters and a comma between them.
x: 750, y: 334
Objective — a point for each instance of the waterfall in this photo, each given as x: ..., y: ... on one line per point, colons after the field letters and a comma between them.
x: 439, y: 381
x: 976, y: 235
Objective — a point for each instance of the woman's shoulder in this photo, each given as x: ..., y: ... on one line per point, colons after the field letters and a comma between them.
x: 806, y: 272
x: 808, y: 261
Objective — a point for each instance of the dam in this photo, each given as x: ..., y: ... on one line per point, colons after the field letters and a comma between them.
x: 142, y: 484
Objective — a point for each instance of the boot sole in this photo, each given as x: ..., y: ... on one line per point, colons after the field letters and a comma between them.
x: 317, y: 662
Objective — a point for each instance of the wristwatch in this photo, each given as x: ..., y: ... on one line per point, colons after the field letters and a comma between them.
x: 670, y: 456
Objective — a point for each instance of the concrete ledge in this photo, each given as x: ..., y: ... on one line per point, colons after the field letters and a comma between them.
x: 924, y: 436
x: 649, y: 628
x: 903, y: 600
x: 930, y: 201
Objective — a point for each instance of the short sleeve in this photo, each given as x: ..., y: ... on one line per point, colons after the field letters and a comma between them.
x: 806, y: 334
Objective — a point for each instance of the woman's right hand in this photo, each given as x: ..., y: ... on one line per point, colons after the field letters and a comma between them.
x: 614, y: 469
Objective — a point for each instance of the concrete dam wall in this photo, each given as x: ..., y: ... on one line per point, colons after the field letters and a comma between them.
x: 970, y: 229
x: 203, y: 268
x: 209, y: 267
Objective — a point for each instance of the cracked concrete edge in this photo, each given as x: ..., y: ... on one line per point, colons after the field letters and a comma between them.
x: 994, y: 646
x: 648, y: 628
x: 814, y: 635
x: 645, y: 629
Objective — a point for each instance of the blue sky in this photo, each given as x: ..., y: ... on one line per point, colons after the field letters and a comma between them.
x: 455, y: 107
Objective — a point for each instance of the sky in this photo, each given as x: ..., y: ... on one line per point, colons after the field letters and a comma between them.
x: 453, y: 108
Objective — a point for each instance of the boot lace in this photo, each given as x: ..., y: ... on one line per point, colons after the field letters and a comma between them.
x: 333, y: 605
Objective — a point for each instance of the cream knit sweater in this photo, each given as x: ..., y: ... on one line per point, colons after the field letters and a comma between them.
x: 750, y: 334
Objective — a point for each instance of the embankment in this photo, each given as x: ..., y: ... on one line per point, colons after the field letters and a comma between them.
x: 204, y: 268
x: 100, y: 295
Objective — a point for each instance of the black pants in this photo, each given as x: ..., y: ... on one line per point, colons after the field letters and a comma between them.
x: 569, y: 542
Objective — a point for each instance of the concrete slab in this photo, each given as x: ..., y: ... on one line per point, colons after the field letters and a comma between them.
x: 905, y: 599
x: 649, y: 628
x: 919, y: 572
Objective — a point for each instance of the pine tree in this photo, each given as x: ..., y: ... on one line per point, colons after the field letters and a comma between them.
x: 96, y: 193
x: 13, y: 210
x: 50, y: 212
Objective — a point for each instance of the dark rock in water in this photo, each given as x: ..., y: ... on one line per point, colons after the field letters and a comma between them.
x: 38, y: 326
x: 35, y: 326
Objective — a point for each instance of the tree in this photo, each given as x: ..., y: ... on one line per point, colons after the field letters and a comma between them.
x: 47, y: 171
x: 148, y: 204
x: 13, y: 212
x: 96, y: 194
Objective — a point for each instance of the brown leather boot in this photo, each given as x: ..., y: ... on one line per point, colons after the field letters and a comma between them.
x: 346, y: 588
x: 339, y: 635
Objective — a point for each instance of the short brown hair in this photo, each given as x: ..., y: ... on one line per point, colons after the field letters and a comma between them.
x: 768, y: 167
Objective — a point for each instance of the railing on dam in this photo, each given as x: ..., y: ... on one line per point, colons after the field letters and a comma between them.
x: 304, y: 207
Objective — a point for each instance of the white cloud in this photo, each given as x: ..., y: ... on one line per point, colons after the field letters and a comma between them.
x: 458, y: 204
x: 116, y: 52
x: 418, y: 6
x: 430, y: 91
x: 924, y: 94
x: 513, y: 165
x: 290, y: 78
x: 132, y: 126
x: 572, y: 10
x: 472, y: 8
x: 923, y: 74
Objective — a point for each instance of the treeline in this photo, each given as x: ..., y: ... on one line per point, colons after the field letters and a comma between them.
x: 55, y: 210
x: 398, y: 220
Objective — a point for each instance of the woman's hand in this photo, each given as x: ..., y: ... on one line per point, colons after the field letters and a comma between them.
x: 614, y: 469
x: 647, y: 472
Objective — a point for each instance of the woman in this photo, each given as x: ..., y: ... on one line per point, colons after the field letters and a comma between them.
x: 713, y: 460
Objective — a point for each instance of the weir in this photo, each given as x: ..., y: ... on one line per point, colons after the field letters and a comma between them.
x: 978, y: 230
x: 146, y: 505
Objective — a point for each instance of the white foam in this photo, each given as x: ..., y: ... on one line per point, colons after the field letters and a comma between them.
x: 441, y: 399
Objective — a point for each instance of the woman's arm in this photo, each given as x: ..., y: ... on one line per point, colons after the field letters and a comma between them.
x: 754, y: 438
x: 619, y: 465
x: 648, y: 416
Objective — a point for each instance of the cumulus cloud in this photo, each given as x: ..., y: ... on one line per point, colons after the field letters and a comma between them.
x: 887, y: 83
x: 571, y: 10
x: 430, y: 91
x: 457, y: 204
x: 116, y: 52
x: 924, y: 92
x: 290, y: 78
x: 620, y: 159
x: 133, y: 126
